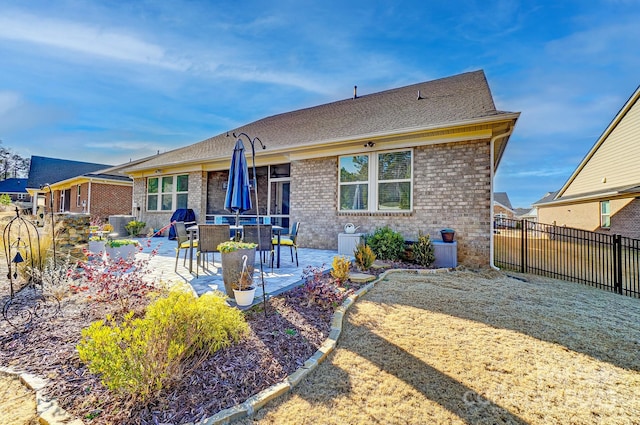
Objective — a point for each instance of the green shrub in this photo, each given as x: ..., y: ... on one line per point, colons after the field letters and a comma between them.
x: 134, y: 227
x: 5, y: 200
x: 386, y: 244
x: 117, y: 243
x: 423, y: 251
x: 340, y: 271
x: 141, y: 356
x: 364, y: 256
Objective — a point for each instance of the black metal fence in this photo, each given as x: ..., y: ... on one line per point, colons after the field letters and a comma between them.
x: 606, y: 261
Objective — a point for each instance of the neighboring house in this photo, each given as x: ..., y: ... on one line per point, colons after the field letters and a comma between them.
x: 16, y: 188
x: 80, y: 187
x: 417, y: 158
x: 529, y: 214
x: 502, y: 206
x: 603, y: 193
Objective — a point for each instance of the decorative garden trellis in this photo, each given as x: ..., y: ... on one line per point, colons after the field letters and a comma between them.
x: 22, y: 250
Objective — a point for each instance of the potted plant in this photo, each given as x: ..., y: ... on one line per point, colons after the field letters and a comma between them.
x: 447, y: 235
x: 134, y: 227
x: 121, y: 248
x: 232, y: 263
x: 244, y: 290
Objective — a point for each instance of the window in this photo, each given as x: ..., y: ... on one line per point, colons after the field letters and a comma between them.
x: 167, y: 193
x: 380, y: 181
x: 605, y: 215
x: 78, y: 200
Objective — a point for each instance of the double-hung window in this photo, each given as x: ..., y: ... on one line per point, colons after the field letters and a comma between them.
x: 605, y: 215
x: 167, y: 193
x: 378, y: 181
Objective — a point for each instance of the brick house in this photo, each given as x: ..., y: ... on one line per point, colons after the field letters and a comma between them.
x: 502, y: 207
x: 416, y: 158
x: 603, y: 193
x: 79, y: 187
x: 16, y: 188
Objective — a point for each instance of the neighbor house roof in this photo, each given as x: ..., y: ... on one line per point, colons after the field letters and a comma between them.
x: 45, y: 170
x: 613, y: 155
x: 503, y: 199
x: 548, y: 197
x: 13, y: 185
x: 462, y: 99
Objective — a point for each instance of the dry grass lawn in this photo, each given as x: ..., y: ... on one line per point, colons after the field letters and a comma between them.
x: 17, y: 402
x: 481, y: 348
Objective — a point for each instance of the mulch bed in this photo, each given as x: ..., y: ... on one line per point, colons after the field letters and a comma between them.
x: 278, y: 344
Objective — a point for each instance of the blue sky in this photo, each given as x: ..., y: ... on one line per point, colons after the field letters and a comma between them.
x: 111, y: 81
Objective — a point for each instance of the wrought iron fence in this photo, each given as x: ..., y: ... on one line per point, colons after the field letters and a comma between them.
x: 606, y: 261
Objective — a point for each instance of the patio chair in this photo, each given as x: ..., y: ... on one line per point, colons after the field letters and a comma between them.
x: 210, y: 236
x: 182, y: 237
x: 250, y: 234
x: 291, y: 240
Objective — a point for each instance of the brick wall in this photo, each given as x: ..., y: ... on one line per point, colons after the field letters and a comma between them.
x: 499, y: 209
x: 197, y: 200
x: 109, y: 199
x: 451, y: 189
x: 626, y: 221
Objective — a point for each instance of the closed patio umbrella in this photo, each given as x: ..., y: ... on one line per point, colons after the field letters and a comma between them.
x: 238, y: 197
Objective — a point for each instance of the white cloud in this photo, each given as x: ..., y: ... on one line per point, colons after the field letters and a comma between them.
x: 9, y: 101
x: 83, y: 38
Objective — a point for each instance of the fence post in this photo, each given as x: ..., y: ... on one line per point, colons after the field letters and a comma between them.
x: 617, y: 263
x: 523, y: 246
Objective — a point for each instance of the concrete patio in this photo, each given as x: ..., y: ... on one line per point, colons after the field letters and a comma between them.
x: 210, y: 279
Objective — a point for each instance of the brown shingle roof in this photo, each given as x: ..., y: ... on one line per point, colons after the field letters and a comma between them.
x: 445, y: 101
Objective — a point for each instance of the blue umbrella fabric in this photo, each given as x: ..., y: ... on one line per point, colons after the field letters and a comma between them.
x: 238, y: 197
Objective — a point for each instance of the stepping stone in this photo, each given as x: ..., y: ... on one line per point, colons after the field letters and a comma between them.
x: 361, y: 277
x: 380, y: 265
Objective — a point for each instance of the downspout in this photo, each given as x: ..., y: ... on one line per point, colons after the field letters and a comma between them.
x: 89, y: 198
x: 492, y: 154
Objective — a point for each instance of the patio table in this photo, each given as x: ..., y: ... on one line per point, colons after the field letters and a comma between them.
x: 193, y: 230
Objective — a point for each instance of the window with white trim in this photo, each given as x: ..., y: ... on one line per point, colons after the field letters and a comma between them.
x: 377, y: 181
x: 78, y: 197
x: 605, y: 214
x: 167, y: 193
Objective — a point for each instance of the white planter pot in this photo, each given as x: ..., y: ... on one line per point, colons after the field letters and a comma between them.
x: 244, y: 298
x: 96, y: 246
x: 124, y: 251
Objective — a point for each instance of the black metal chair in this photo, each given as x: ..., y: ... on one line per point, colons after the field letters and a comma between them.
x: 291, y: 240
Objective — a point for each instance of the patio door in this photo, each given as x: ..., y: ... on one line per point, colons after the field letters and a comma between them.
x: 279, y: 207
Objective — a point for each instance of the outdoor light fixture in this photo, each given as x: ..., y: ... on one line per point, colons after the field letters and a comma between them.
x: 369, y: 144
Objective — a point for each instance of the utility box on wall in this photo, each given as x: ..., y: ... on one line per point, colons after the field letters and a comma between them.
x: 347, y: 243
x: 118, y: 222
x: 446, y: 254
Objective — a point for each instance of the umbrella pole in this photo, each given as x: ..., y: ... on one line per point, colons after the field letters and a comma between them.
x: 255, y: 189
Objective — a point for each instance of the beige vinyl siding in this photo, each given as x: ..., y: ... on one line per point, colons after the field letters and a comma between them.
x: 616, y: 160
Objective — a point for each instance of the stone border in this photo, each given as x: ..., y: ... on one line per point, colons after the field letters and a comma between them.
x: 256, y: 402
x: 48, y: 411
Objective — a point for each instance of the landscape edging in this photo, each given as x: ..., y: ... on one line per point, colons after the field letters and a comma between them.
x: 251, y: 406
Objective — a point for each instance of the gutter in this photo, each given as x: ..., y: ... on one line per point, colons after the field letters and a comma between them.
x: 492, y: 174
